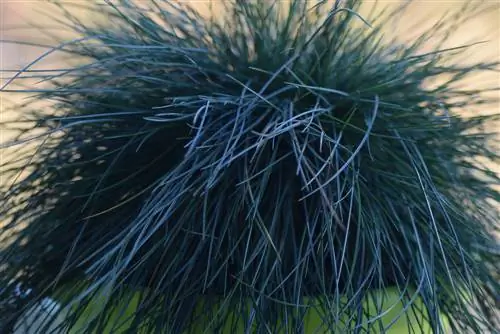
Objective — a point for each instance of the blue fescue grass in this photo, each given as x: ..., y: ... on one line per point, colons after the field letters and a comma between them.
x: 246, y: 163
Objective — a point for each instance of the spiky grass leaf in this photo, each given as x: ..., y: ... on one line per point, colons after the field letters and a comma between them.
x: 237, y: 167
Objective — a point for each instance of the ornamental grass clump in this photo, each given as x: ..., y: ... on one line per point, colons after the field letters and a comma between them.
x: 238, y: 172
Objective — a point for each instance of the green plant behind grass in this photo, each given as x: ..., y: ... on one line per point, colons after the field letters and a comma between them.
x: 236, y: 167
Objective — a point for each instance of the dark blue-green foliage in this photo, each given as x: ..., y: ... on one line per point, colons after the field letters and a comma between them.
x: 284, y: 150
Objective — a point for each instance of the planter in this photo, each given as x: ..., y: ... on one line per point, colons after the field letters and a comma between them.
x: 395, y: 318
